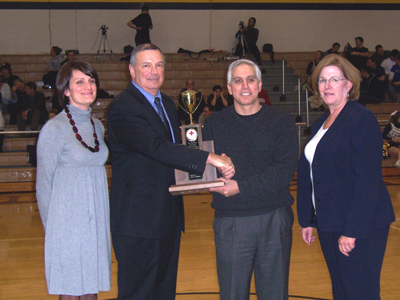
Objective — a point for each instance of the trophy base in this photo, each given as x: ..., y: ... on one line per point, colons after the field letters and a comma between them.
x: 194, y: 188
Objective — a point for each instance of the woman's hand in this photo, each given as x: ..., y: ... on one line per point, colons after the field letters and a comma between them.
x: 307, y: 236
x: 346, y: 244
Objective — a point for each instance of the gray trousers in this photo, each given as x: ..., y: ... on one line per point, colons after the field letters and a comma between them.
x: 258, y: 243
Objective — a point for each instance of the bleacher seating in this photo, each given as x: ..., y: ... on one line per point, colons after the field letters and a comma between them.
x: 16, y: 174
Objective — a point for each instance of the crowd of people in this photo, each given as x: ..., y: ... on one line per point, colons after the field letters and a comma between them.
x: 380, y: 71
x: 22, y: 100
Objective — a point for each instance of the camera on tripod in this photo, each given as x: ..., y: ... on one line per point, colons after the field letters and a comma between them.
x: 241, y: 24
x: 103, y: 29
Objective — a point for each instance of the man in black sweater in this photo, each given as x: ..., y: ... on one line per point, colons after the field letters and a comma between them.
x: 253, y: 214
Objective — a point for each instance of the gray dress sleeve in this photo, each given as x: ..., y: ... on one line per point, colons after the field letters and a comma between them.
x: 49, y: 148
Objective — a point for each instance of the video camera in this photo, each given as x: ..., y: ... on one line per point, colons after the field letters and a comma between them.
x: 103, y: 29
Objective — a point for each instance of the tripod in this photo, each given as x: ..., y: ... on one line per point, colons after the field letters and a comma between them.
x: 103, y: 41
x: 240, y: 44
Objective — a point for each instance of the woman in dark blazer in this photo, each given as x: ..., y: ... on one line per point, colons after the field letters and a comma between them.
x: 340, y: 187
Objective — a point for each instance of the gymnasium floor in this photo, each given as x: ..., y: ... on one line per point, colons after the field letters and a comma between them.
x: 22, y: 266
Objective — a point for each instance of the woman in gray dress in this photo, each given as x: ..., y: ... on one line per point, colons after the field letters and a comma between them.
x: 72, y: 191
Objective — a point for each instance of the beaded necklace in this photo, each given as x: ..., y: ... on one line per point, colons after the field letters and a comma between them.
x: 78, y: 136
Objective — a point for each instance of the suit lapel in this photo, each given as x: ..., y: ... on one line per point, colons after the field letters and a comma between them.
x: 142, y: 99
x: 336, y: 128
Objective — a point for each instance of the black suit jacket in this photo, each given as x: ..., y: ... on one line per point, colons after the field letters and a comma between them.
x: 143, y: 163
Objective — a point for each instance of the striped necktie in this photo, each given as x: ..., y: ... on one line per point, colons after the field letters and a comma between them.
x: 161, y: 113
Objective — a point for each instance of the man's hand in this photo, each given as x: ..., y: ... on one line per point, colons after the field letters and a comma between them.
x: 346, y: 244
x: 230, y: 188
x: 223, y: 163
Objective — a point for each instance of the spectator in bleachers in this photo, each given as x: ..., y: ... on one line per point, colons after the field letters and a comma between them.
x: 6, y: 97
x: 311, y: 66
x: 380, y: 54
x: 70, y: 57
x: 207, y: 110
x: 372, y: 90
x: 391, y: 133
x: 388, y: 63
x: 49, y: 79
x: 263, y: 97
x: 33, y: 108
x: 394, y: 80
x: 334, y: 50
x: 8, y: 77
x: 217, y: 99
x: 17, y: 93
x: 72, y: 190
x: 316, y: 103
x: 183, y: 116
x: 376, y: 69
x: 357, y: 55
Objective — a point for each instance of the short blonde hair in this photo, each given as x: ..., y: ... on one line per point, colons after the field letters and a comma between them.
x: 349, y: 72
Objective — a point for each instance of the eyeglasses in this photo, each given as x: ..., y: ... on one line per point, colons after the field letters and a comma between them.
x: 332, y: 81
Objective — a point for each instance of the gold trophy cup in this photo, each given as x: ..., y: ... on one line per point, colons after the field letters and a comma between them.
x: 187, y: 183
x: 191, y: 100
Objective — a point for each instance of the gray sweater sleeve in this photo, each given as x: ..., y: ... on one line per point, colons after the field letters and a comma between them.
x: 49, y: 148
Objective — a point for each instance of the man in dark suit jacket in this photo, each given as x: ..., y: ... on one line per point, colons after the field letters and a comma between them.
x: 146, y: 220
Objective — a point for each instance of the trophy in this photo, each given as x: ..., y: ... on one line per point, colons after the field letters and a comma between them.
x: 188, y: 183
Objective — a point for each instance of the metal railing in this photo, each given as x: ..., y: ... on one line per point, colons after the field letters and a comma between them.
x: 296, y: 73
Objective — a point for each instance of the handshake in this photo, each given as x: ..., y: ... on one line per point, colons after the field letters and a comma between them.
x: 223, y: 163
x: 225, y: 166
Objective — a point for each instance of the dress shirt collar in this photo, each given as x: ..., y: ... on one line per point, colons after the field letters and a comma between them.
x: 147, y: 95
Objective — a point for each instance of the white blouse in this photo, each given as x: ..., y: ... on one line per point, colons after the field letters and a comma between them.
x: 309, y: 152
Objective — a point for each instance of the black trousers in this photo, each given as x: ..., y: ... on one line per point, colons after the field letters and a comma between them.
x: 147, y: 268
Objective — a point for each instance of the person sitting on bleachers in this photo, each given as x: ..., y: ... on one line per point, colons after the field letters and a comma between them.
x: 49, y: 79
x: 33, y: 108
x: 380, y: 55
x: 317, y: 58
x: 334, y: 50
x: 391, y: 133
x: 357, y: 55
x: 388, y: 63
x: 70, y: 57
x: 5, y: 95
x: 263, y: 97
x: 217, y: 99
x: 207, y: 110
x: 18, y: 94
x: 379, y: 73
x: 8, y: 77
x: 394, y: 80
x: 372, y: 90
x: 376, y: 69
x: 184, y: 116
